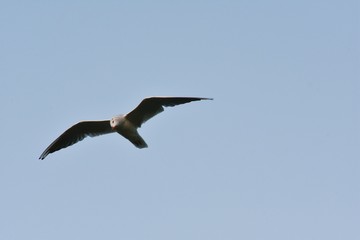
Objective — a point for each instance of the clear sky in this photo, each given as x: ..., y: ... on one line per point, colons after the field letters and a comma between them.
x: 274, y: 156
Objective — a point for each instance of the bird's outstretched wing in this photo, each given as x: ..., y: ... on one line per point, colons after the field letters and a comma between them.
x: 151, y: 106
x: 77, y: 133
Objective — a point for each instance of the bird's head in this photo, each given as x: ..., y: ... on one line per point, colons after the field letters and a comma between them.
x: 116, y: 121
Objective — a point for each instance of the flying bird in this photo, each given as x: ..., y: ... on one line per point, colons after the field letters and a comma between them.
x: 125, y: 124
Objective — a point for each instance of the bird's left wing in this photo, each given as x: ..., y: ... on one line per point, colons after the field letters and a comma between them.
x: 149, y: 107
x: 77, y: 133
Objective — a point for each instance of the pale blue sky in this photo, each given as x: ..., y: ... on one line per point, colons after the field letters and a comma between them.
x: 274, y: 156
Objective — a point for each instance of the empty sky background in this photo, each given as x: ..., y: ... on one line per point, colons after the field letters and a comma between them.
x: 274, y: 156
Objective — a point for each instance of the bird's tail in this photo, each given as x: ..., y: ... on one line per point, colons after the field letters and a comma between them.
x: 135, y: 139
x: 138, y: 141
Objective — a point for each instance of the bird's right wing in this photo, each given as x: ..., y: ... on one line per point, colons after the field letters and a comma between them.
x: 77, y: 133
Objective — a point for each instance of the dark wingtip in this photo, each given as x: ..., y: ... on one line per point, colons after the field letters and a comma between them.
x: 42, y: 156
x: 203, y: 98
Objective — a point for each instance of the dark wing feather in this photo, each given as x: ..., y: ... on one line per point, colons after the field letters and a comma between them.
x: 151, y: 106
x: 77, y: 133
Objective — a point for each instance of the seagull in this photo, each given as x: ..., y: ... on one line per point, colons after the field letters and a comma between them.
x: 126, y: 124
